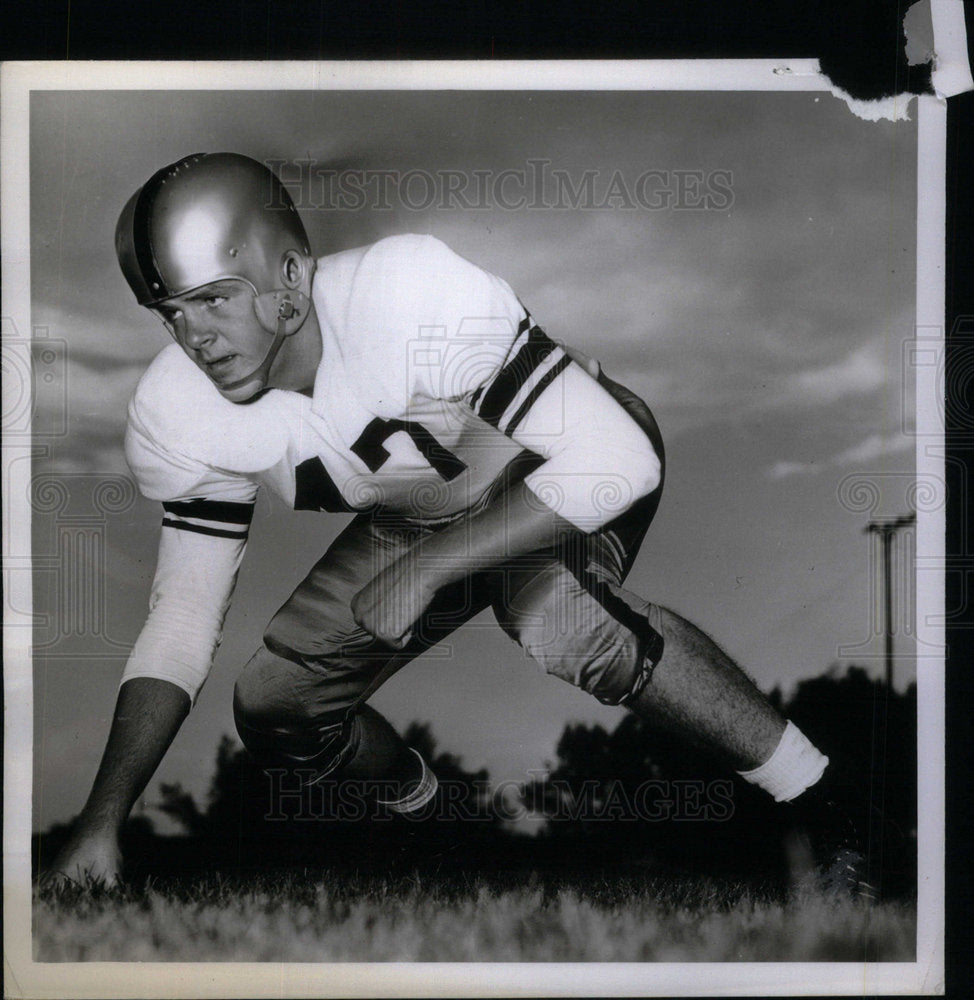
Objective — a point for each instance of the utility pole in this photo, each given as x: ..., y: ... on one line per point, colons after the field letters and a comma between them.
x: 876, y: 839
x: 886, y: 531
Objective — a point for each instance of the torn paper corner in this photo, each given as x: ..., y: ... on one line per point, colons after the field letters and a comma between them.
x: 935, y: 33
x: 918, y: 31
x: 951, y: 65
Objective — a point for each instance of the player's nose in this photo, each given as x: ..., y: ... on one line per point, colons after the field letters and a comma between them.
x: 197, y: 335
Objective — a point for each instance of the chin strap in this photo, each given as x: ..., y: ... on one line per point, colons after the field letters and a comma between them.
x: 248, y: 386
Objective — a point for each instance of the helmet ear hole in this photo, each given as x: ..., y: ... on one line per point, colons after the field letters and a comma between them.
x: 293, y: 268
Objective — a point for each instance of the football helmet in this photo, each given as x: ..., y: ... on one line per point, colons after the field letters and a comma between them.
x: 215, y: 216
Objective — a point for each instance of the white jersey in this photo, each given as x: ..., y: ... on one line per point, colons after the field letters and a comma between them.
x: 433, y: 378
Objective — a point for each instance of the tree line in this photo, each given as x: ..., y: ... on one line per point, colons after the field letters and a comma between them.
x: 629, y: 799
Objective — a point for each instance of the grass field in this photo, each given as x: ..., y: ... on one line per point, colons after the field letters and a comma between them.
x: 323, y: 917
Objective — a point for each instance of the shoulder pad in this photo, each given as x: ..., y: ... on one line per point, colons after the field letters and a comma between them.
x: 177, y: 407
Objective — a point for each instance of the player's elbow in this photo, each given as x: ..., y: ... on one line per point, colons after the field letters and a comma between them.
x: 644, y: 470
x: 652, y: 472
x: 627, y: 473
x: 640, y: 465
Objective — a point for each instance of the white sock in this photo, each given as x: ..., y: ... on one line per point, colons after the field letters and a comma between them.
x: 420, y: 795
x: 794, y: 766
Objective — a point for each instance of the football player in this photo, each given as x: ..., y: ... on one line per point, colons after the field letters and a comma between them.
x: 486, y: 464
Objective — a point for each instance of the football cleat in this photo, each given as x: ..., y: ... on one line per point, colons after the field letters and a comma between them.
x: 419, y: 796
x: 826, y: 851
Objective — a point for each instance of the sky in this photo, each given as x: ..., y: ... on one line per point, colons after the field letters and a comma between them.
x: 745, y: 262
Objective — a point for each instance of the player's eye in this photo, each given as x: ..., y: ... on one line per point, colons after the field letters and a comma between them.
x: 213, y: 301
x: 171, y: 318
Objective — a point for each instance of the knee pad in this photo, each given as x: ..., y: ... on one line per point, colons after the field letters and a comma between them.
x: 323, y: 749
x: 624, y: 680
x: 276, y: 728
x: 326, y: 749
x: 612, y: 664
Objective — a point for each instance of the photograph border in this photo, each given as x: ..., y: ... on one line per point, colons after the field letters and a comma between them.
x: 28, y: 978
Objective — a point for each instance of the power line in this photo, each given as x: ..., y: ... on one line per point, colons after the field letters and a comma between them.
x: 886, y: 530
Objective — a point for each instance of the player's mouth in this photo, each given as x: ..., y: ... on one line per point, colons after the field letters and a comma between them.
x: 219, y: 368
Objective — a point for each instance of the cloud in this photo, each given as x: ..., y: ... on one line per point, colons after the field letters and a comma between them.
x: 97, y: 360
x: 104, y: 362
x: 874, y: 446
x: 861, y: 371
x: 870, y: 449
x: 784, y: 470
x: 94, y: 445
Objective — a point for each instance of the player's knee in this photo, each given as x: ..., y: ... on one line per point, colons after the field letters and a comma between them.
x: 609, y: 667
x: 612, y: 661
x: 618, y: 680
x: 616, y: 675
x: 268, y: 702
x: 286, y: 717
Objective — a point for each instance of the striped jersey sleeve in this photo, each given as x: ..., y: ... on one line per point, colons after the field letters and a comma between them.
x: 535, y: 361
x: 546, y: 397
x: 201, y: 547
x: 206, y: 516
x: 216, y: 518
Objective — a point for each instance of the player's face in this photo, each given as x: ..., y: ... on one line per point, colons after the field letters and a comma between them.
x: 217, y: 327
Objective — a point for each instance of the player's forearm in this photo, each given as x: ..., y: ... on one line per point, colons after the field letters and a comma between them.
x: 514, y: 524
x: 147, y: 717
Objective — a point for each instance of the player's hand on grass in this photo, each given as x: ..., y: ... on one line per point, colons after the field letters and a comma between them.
x: 391, y: 603
x: 86, y: 861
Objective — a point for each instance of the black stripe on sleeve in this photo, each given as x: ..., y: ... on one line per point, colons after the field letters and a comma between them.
x: 202, y: 529
x: 522, y: 326
x: 224, y: 511
x: 512, y: 376
x: 549, y: 376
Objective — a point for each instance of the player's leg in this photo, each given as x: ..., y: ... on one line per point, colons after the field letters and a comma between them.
x: 696, y: 689
x: 572, y: 615
x: 299, y: 702
x: 570, y: 612
x: 690, y: 685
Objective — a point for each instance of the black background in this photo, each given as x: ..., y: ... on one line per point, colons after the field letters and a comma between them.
x: 858, y: 44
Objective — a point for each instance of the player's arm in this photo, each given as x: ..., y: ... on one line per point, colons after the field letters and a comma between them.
x: 602, y: 453
x: 523, y: 519
x: 512, y: 525
x: 200, y: 549
x: 148, y: 715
